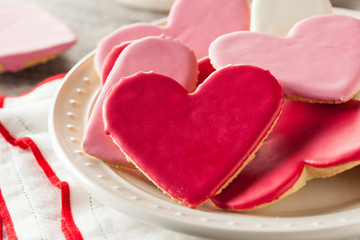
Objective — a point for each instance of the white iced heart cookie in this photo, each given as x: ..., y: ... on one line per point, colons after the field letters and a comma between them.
x: 276, y: 17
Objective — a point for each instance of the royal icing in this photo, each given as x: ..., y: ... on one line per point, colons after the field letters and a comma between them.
x: 323, y: 136
x: 29, y: 33
x: 160, y: 54
x: 318, y: 61
x: 205, y: 69
x: 110, y: 60
x: 276, y: 17
x: 194, y: 22
x: 191, y: 145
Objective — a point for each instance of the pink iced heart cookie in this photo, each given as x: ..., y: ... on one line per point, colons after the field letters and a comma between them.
x: 194, y: 22
x: 146, y: 54
x: 204, y: 64
x: 308, y: 141
x: 29, y: 36
x: 191, y: 145
x: 319, y: 61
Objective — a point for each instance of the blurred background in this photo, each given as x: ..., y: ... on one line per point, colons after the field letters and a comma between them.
x: 91, y: 21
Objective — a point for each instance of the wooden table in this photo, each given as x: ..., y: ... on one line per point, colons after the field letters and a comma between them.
x: 91, y: 20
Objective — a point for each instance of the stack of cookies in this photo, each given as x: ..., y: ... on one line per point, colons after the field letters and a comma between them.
x: 213, y: 106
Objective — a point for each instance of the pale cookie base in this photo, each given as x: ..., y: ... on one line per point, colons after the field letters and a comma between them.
x: 119, y: 165
x: 2, y: 69
x: 114, y: 164
x: 302, y: 99
x: 32, y: 62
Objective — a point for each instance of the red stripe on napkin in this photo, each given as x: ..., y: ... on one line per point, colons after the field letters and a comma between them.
x: 2, y: 98
x: 5, y: 133
x: 49, y: 79
x: 68, y: 225
x: 55, y: 77
x: 6, y: 219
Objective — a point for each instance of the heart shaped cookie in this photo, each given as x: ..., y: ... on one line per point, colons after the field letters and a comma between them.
x: 196, y: 23
x: 29, y: 36
x: 277, y: 17
x: 319, y: 60
x: 146, y: 54
x: 308, y: 141
x: 192, y: 145
x: 204, y: 65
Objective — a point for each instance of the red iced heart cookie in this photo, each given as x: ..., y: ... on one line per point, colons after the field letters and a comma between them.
x: 319, y: 60
x: 29, y: 35
x: 308, y: 141
x: 196, y: 23
x: 191, y: 145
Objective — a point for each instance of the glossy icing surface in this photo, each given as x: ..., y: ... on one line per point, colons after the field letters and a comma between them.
x: 205, y: 69
x: 276, y: 17
x: 319, y: 60
x: 190, y: 145
x: 29, y: 32
x: 318, y: 135
x: 158, y: 54
x: 196, y: 23
x: 110, y: 60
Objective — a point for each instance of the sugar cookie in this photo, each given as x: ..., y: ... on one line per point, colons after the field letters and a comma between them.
x: 192, y: 145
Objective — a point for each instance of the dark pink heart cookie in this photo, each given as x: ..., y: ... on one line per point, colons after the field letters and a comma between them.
x: 309, y: 140
x: 192, y: 144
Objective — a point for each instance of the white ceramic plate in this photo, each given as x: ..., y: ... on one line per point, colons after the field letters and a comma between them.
x: 324, y: 209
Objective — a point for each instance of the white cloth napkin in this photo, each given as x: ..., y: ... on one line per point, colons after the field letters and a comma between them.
x: 38, y: 199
